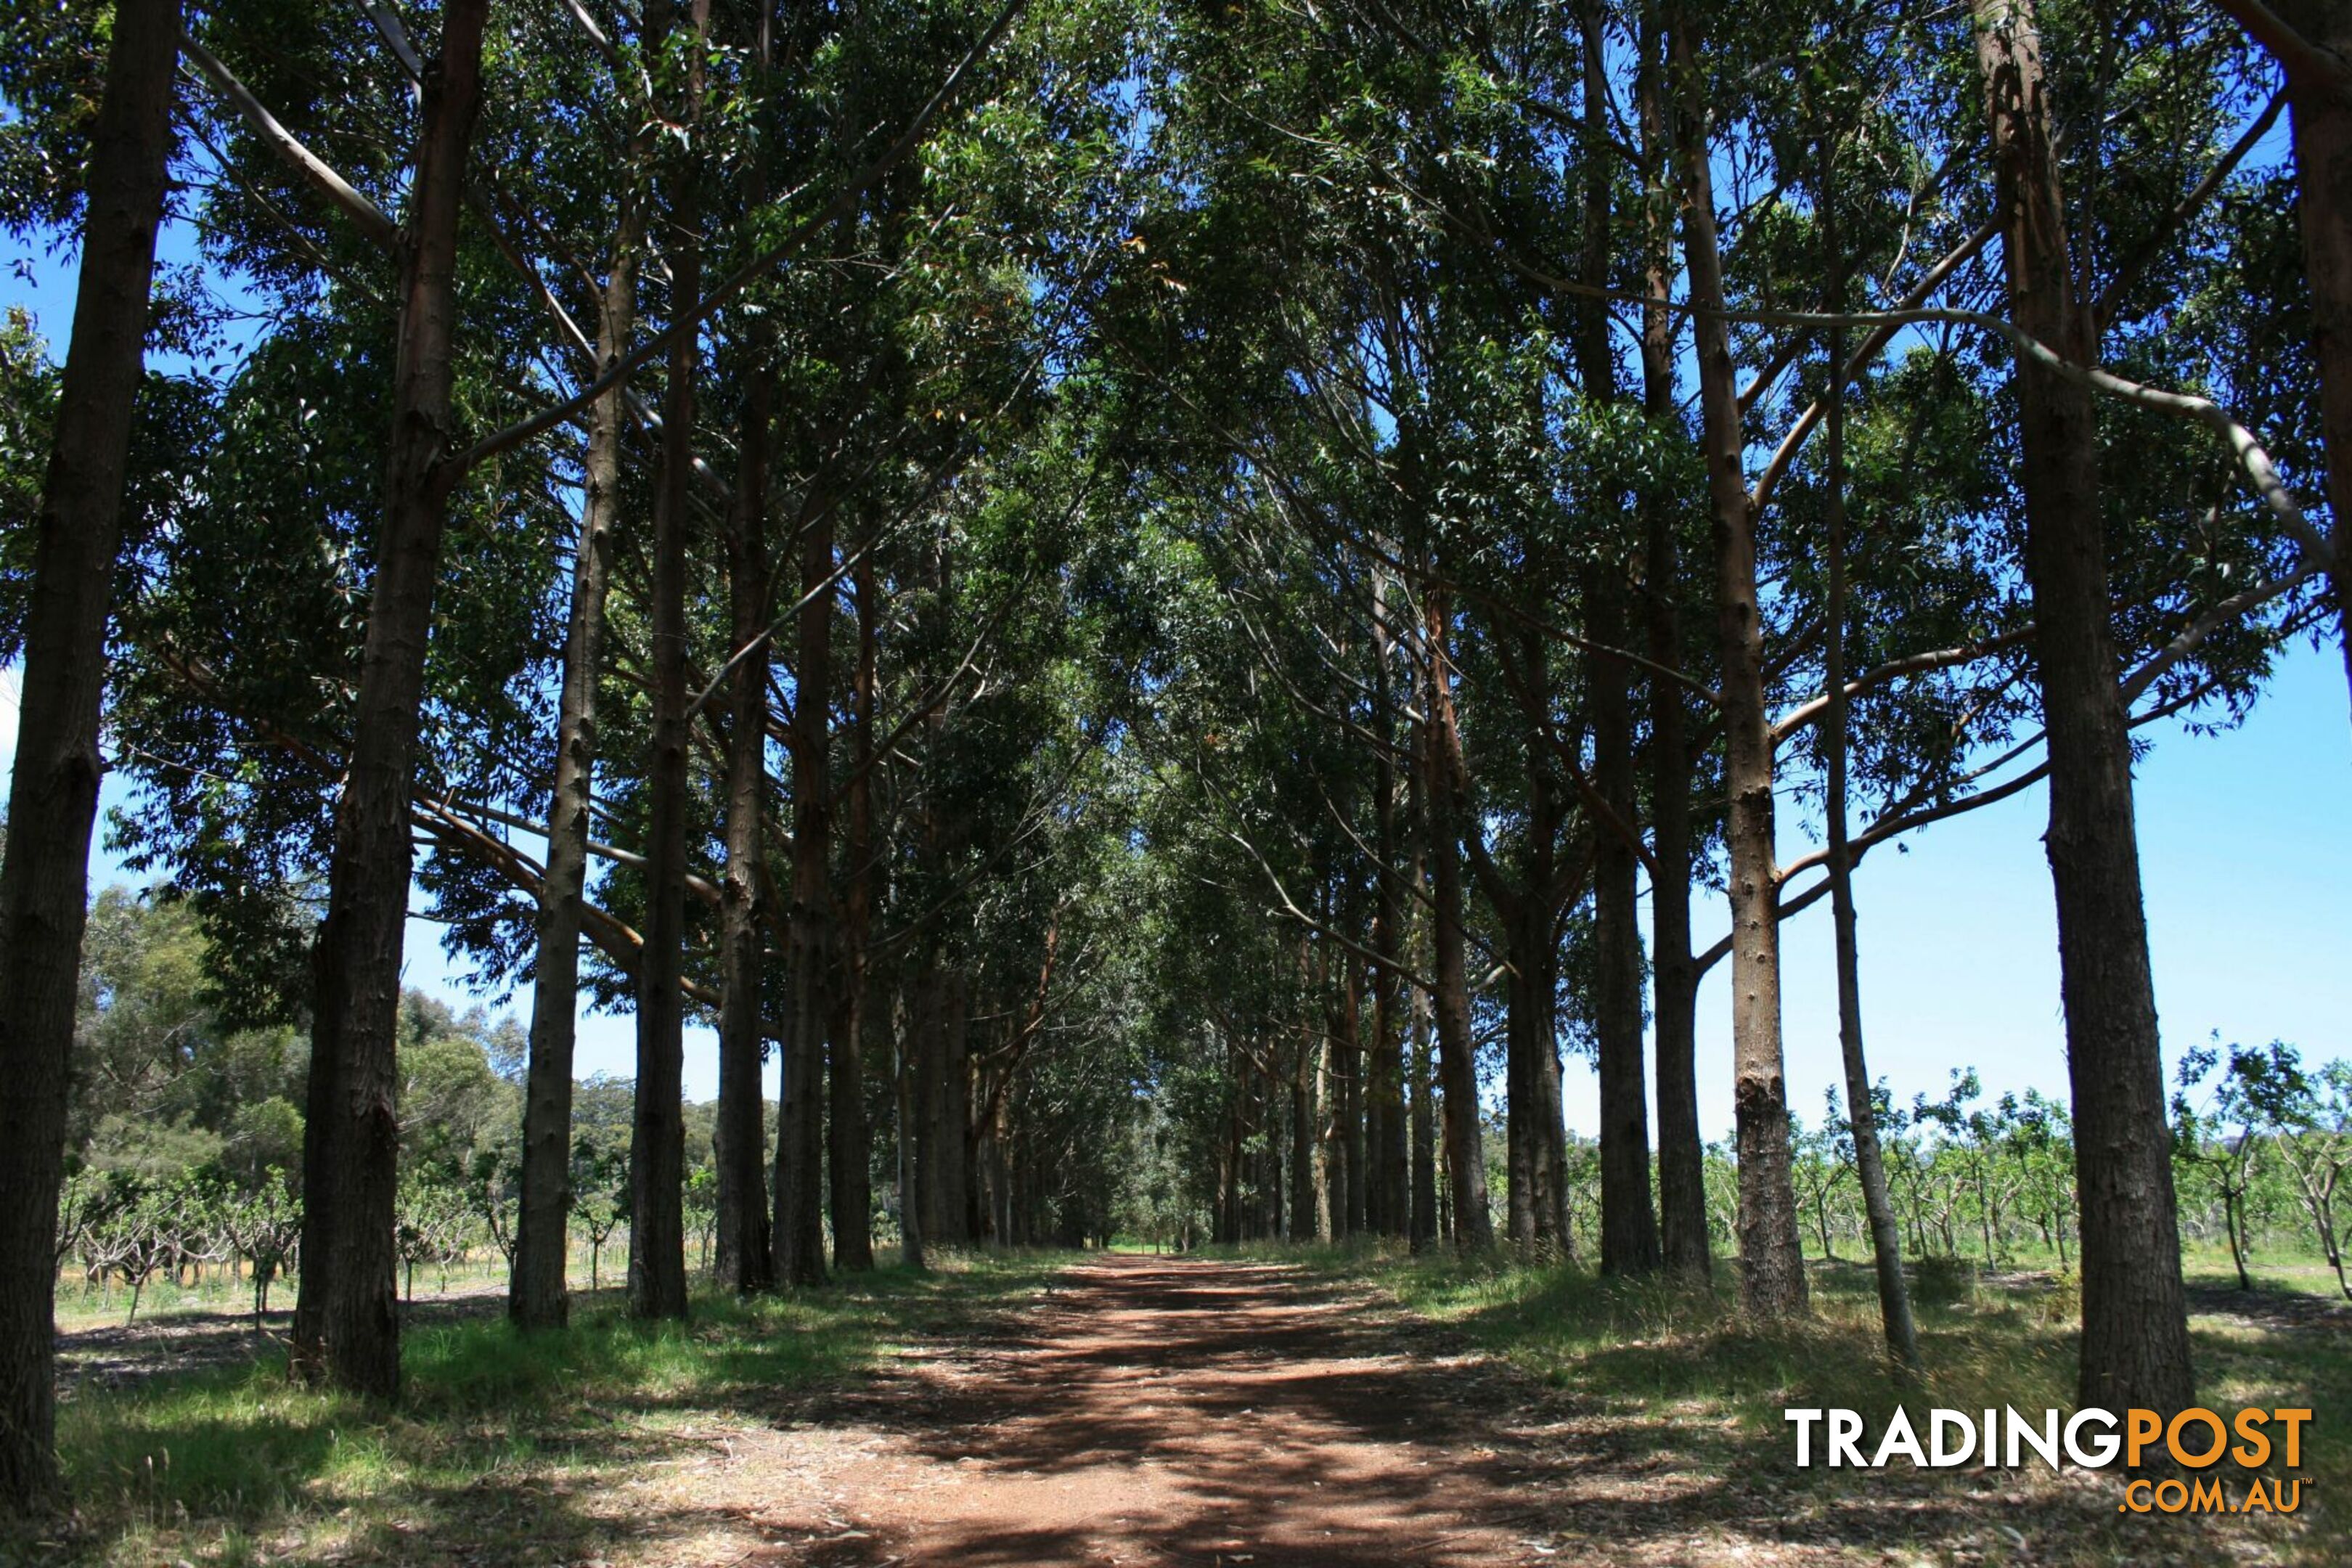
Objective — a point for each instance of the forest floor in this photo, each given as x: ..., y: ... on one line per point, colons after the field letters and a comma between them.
x: 1278, y: 1410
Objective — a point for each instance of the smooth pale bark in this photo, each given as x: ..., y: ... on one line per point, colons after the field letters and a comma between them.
x: 657, y: 1136
x: 1682, y: 1152
x: 1771, y: 1255
x: 2135, y: 1316
x: 537, y: 1296
x: 346, y: 1324
x: 1465, y: 1161
x: 852, y: 1145
x: 742, y: 1260
x: 812, y: 949
x: 1861, y: 1112
x: 53, y: 786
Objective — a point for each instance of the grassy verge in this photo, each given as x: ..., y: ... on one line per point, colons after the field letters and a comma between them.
x: 1673, y: 1379
x: 501, y: 1439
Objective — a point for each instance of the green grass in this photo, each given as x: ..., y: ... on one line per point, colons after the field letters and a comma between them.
x: 1679, y: 1377
x: 498, y: 1435
x: 502, y: 1441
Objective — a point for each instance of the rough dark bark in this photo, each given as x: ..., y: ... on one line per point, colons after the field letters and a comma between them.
x: 852, y: 1145
x: 811, y: 948
x: 537, y: 1296
x: 2323, y: 151
x: 1304, y: 1202
x: 1682, y: 1154
x: 1343, y: 1092
x: 2135, y: 1316
x: 53, y: 787
x: 943, y: 1102
x: 1387, y: 1208
x: 907, y: 1089
x: 744, y: 1261
x: 1465, y: 1161
x: 1772, y: 1254
x: 954, y: 1130
x: 1268, y: 1158
x: 2318, y: 64
x: 346, y: 1324
x: 1531, y: 931
x: 1629, y: 1225
x: 1422, y: 1224
x: 1521, y: 1154
x: 657, y: 1136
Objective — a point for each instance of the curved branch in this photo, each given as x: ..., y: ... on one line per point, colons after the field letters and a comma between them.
x: 369, y: 217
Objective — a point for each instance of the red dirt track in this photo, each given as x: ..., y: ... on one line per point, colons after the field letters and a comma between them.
x: 1160, y: 1412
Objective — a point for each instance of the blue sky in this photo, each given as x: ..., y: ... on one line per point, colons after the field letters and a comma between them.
x: 2246, y: 853
x: 2246, y: 861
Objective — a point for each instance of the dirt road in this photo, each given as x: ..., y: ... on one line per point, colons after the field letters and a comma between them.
x: 1152, y: 1412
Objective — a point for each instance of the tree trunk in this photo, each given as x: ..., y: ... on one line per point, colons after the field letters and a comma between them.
x: 1521, y: 1151
x: 1387, y: 1208
x: 2323, y: 154
x: 1353, y: 1099
x: 1341, y: 1054
x: 945, y: 1104
x: 1629, y: 1225
x: 1303, y: 1202
x: 745, y: 1262
x: 852, y: 1140
x: 1862, y: 1113
x: 1423, y: 1223
x: 346, y: 1324
x: 537, y: 1295
x: 799, y: 1130
x: 53, y: 788
x: 1682, y: 1153
x: 1268, y: 1157
x: 1536, y: 1162
x: 1771, y: 1255
x: 908, y: 1085
x: 1551, y: 1112
x: 1457, y: 1065
x: 2135, y: 1316
x: 657, y: 1137
x: 2320, y: 100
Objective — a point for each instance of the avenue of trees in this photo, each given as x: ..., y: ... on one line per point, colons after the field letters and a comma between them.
x: 1141, y: 597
